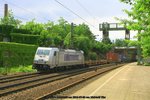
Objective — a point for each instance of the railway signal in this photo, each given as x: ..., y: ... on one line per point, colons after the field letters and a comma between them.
x: 106, y: 27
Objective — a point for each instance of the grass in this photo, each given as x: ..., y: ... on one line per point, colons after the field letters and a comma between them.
x: 147, y: 64
x: 16, y: 69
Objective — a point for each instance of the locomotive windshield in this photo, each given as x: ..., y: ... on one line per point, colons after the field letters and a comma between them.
x: 43, y: 52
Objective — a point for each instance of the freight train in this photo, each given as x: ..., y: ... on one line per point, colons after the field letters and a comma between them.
x: 47, y: 58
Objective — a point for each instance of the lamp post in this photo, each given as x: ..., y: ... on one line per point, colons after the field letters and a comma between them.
x: 139, y: 51
x: 71, y: 35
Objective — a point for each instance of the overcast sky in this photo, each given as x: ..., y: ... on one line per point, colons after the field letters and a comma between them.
x: 91, y: 12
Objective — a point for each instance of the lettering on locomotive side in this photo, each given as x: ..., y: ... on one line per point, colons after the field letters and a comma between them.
x: 70, y: 57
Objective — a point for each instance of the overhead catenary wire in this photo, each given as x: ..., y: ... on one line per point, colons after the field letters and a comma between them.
x: 1, y: 12
x: 13, y: 13
x: 48, y: 19
x: 1, y: 9
x: 27, y: 10
x: 1, y: 15
x: 85, y: 9
x: 21, y: 18
x: 74, y: 13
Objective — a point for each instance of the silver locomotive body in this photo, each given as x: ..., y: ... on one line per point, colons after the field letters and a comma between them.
x: 50, y: 58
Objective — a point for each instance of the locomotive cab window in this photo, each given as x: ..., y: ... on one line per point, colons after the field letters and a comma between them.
x: 54, y: 53
x: 43, y: 52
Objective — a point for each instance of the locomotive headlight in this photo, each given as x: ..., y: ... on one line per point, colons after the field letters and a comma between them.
x: 35, y: 61
x: 46, y: 62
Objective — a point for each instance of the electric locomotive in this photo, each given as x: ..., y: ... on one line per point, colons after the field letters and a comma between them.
x: 47, y: 58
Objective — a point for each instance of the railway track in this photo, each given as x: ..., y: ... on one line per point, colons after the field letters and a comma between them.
x: 80, y: 79
x: 18, y: 77
x: 25, y: 82
x: 73, y: 77
x: 11, y: 77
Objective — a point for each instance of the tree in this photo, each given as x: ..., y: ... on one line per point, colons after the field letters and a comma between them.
x: 101, y: 48
x: 140, y: 20
x: 67, y: 40
x: 34, y: 27
x: 83, y: 29
x: 133, y: 43
x: 83, y: 43
x: 106, y: 41
x: 10, y: 20
x: 121, y: 43
x: 7, y: 24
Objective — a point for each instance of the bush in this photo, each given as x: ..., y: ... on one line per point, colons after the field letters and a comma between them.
x: 24, y: 38
x: 22, y: 31
x: 1, y: 37
x: 92, y: 56
x: 13, y: 69
x: 6, y: 30
x: 15, y: 54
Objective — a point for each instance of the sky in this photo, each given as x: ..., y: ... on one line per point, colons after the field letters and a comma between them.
x: 90, y: 12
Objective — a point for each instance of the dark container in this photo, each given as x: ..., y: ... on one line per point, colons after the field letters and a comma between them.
x: 112, y: 57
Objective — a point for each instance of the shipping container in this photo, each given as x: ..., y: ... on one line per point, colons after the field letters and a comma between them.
x: 112, y: 57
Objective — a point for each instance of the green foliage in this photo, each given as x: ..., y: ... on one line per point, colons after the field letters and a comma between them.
x: 133, y: 43
x: 7, y: 24
x: 22, y: 31
x: 1, y: 37
x: 106, y: 41
x: 83, y: 43
x: 4, y: 70
x: 59, y: 35
x: 24, y: 38
x: 92, y: 56
x: 140, y: 20
x: 83, y: 29
x: 10, y: 20
x: 35, y: 28
x: 14, y: 54
x: 67, y: 40
x: 101, y: 48
x: 124, y: 43
x: 6, y: 30
x: 44, y: 39
x: 121, y: 43
x: 127, y: 1
x: 146, y: 46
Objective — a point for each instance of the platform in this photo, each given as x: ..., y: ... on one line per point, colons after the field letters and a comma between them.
x: 130, y: 82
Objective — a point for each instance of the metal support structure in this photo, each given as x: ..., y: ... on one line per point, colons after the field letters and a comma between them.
x: 6, y: 38
x: 127, y: 34
x: 5, y: 10
x: 106, y: 27
x: 71, y: 35
x: 105, y: 34
x: 139, y: 53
